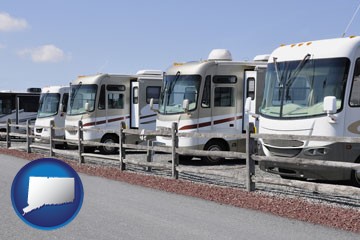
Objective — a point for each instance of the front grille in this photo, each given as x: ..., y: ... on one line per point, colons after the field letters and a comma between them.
x: 284, y: 152
x: 283, y: 143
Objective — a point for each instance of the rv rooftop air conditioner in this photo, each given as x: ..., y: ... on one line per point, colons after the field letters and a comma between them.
x: 220, y: 55
x: 262, y: 58
x: 149, y: 72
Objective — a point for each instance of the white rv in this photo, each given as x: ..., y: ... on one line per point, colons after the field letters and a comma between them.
x: 18, y: 107
x: 208, y: 96
x: 52, y: 106
x: 105, y: 100
x: 313, y: 88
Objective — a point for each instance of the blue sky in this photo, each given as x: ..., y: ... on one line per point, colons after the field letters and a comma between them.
x: 51, y: 42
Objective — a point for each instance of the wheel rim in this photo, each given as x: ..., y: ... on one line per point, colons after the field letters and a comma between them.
x: 214, y: 148
x: 108, y: 149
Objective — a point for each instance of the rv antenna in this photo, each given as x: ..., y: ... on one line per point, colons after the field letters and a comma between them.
x: 101, y: 68
x: 351, y: 20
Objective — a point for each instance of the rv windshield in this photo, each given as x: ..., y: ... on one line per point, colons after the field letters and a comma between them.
x: 177, y: 88
x: 79, y: 95
x: 49, y: 105
x: 296, y: 89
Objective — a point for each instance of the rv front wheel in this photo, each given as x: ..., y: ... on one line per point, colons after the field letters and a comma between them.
x: 3, y: 136
x: 109, y: 139
x: 355, y: 176
x: 214, y: 145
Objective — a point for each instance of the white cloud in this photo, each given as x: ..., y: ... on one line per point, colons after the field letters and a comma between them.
x: 9, y: 23
x: 45, y: 53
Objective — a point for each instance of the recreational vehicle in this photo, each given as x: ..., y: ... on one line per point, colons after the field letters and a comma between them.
x: 313, y: 89
x: 52, y: 107
x: 18, y: 107
x: 105, y: 100
x: 208, y: 96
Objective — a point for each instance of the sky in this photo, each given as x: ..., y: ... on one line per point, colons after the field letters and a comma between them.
x: 52, y: 42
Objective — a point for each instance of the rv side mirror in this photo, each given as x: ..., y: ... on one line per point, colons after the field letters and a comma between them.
x: 185, y: 105
x: 61, y: 108
x: 151, y: 104
x: 247, y: 105
x: 87, y: 107
x: 330, y: 105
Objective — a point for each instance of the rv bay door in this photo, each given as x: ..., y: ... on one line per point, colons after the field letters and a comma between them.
x: 134, y: 105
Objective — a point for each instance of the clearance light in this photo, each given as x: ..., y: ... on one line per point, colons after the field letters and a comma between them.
x: 177, y: 64
x: 352, y: 36
x: 293, y: 45
x: 309, y: 43
x: 300, y: 44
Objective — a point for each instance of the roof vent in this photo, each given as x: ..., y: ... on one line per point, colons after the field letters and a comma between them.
x: 34, y: 90
x: 220, y: 54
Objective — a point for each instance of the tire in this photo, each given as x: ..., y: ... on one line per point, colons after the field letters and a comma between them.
x: 89, y: 149
x: 214, y: 145
x: 287, y: 177
x: 3, y: 137
x: 109, y: 139
x: 355, y: 178
x: 185, y: 158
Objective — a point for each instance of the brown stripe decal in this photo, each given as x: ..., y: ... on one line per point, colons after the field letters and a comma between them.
x: 205, y: 124
x: 104, y: 121
x: 147, y: 116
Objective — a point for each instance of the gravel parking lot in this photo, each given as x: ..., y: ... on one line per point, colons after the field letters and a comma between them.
x: 229, y: 165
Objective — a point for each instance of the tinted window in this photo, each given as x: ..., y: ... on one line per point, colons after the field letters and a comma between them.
x: 115, y: 101
x: 115, y: 88
x: 224, y: 97
x: 355, y: 89
x: 153, y: 92
x: 225, y: 79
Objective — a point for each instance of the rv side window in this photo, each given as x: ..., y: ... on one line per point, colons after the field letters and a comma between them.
x: 224, y: 97
x: 5, y: 106
x: 115, y: 88
x: 135, y: 95
x: 205, y: 102
x: 115, y: 101
x: 29, y: 103
x: 102, y: 98
x: 355, y: 88
x: 251, y: 87
x: 153, y: 92
x: 224, y: 79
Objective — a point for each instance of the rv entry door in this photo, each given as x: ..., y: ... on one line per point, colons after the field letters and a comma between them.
x: 134, y: 106
x: 249, y: 92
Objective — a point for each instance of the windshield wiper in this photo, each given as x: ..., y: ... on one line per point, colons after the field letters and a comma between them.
x: 168, y: 89
x: 299, y: 67
x: 74, y: 95
x: 276, y: 70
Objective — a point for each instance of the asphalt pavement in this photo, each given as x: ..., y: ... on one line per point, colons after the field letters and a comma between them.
x: 117, y: 210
